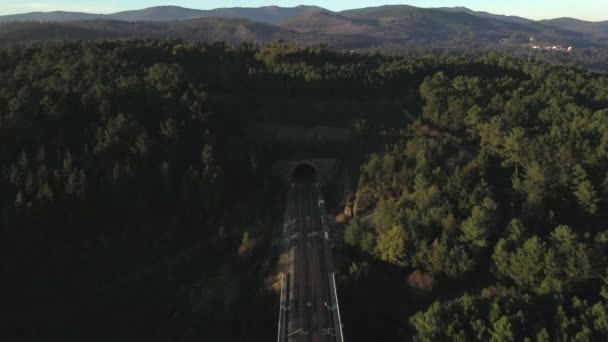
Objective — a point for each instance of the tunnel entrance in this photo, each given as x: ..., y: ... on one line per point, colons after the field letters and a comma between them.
x: 304, y: 173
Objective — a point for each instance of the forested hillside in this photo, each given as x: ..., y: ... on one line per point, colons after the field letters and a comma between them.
x: 492, y: 208
x: 136, y: 201
x: 124, y: 196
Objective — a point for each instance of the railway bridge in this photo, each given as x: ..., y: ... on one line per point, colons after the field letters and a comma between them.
x: 309, y: 309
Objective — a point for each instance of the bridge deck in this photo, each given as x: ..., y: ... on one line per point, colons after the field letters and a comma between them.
x: 312, y: 303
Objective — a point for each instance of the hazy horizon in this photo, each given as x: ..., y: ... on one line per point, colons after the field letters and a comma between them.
x: 589, y: 10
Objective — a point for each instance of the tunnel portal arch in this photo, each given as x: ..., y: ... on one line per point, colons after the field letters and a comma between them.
x: 304, y: 172
x: 327, y: 170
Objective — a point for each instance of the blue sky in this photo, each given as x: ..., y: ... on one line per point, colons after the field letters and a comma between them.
x: 594, y: 10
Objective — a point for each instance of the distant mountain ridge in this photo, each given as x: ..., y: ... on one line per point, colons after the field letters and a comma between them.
x: 266, y: 14
x: 59, y: 16
x: 507, y: 18
x: 364, y: 27
x: 577, y: 25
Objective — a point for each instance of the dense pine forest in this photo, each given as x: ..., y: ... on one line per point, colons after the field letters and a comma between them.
x: 492, y: 207
x: 136, y: 200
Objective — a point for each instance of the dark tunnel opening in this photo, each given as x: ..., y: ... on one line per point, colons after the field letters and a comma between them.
x: 304, y: 173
